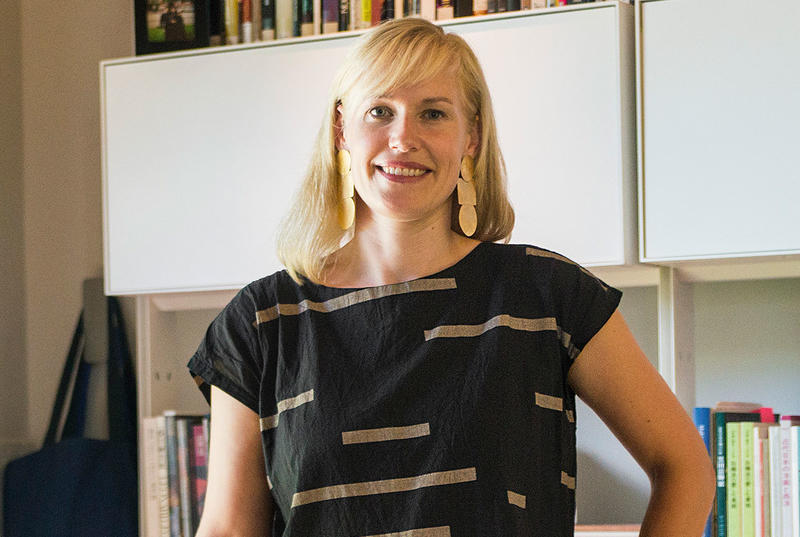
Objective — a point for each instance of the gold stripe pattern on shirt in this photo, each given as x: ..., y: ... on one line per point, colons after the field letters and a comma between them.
x: 354, y: 298
x: 440, y: 531
x: 538, y: 252
x: 567, y: 480
x: 384, y: 486
x: 386, y: 433
x: 270, y: 422
x: 517, y: 499
x: 550, y: 402
x: 473, y: 330
x: 570, y: 416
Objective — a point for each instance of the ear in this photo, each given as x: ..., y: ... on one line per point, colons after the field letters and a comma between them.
x: 474, y: 138
x: 338, y: 127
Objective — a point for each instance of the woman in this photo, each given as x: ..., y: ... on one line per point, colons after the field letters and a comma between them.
x: 407, y: 375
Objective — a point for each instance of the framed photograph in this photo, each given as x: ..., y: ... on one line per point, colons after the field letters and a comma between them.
x: 165, y: 25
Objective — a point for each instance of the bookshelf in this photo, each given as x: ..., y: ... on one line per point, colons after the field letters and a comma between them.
x: 685, y: 309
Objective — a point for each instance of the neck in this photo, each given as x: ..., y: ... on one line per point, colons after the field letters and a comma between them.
x: 386, y: 252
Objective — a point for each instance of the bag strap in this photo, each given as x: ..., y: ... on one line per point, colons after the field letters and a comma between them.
x: 66, y: 385
x: 121, y: 382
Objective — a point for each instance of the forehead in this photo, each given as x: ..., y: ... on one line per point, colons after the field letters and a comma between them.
x: 438, y: 87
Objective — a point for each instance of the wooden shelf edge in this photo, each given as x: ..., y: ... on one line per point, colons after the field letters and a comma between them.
x: 607, y: 530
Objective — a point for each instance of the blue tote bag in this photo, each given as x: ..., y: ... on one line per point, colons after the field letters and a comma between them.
x: 76, y: 486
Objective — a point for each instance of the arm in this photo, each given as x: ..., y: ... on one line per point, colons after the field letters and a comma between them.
x: 238, y: 501
x: 613, y: 376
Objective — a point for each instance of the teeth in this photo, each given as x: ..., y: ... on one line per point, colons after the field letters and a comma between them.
x: 408, y: 172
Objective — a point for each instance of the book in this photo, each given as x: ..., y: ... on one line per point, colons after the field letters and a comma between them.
x: 231, y: 22
x: 199, y: 465
x: 151, y: 501
x: 748, y: 493
x: 775, y: 515
x: 788, y: 481
x: 733, y: 476
x: 427, y: 9
x: 187, y: 510
x: 444, y: 9
x: 480, y: 7
x: 174, y: 494
x: 761, y: 478
x: 720, y: 419
x: 246, y: 28
x: 306, y: 17
x: 702, y: 421
x: 344, y: 15
x: 795, y: 435
x: 284, y: 19
x: 330, y: 16
x: 267, y: 20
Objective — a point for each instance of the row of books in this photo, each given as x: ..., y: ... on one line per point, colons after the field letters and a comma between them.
x: 245, y: 21
x: 757, y: 461
x: 175, y: 470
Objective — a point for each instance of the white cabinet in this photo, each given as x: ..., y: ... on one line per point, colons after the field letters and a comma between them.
x: 719, y: 86
x: 203, y: 150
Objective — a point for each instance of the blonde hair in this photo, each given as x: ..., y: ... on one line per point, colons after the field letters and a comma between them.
x: 395, y: 54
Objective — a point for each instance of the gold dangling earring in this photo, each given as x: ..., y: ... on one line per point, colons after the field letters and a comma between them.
x: 347, y: 207
x: 467, y: 217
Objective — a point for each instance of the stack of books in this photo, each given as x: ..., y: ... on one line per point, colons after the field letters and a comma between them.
x: 174, y: 450
x: 755, y: 452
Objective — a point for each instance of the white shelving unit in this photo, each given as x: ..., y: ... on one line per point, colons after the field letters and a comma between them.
x: 563, y: 86
x: 203, y: 150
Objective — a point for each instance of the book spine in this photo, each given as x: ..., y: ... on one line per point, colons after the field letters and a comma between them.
x: 344, y: 15
x: 786, y: 480
x: 747, y: 482
x: 427, y: 9
x: 330, y: 16
x: 231, y: 22
x: 702, y: 420
x: 444, y: 9
x: 184, y: 481
x: 719, y: 434
x: 246, y: 32
x: 480, y: 7
x: 172, y: 476
x: 317, y: 11
x: 267, y: 20
x: 795, y: 437
x: 152, y: 500
x: 399, y: 9
x: 163, y: 478
x: 283, y: 19
x: 306, y: 17
x: 200, y: 465
x: 758, y: 484
x: 733, y: 474
x: 775, y: 519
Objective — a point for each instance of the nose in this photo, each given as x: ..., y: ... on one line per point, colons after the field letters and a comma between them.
x: 403, y: 136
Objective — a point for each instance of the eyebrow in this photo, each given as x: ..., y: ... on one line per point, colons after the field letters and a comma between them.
x: 426, y: 101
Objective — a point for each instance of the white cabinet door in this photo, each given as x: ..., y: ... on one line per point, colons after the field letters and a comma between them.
x: 719, y: 88
x: 203, y: 150
x: 562, y: 87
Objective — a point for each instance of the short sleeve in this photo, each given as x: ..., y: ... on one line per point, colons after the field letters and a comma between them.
x: 583, y: 303
x: 229, y: 357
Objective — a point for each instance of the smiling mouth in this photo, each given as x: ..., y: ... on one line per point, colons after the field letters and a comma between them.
x: 402, y: 172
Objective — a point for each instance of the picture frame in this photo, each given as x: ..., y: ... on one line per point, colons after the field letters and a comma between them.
x: 168, y: 25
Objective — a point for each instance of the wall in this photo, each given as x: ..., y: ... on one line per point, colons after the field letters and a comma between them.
x: 747, y: 343
x: 62, y: 217
x: 13, y: 378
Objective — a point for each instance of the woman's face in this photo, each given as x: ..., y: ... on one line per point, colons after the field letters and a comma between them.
x: 406, y: 148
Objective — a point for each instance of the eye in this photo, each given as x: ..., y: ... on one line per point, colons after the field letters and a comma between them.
x: 379, y: 112
x: 433, y: 114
